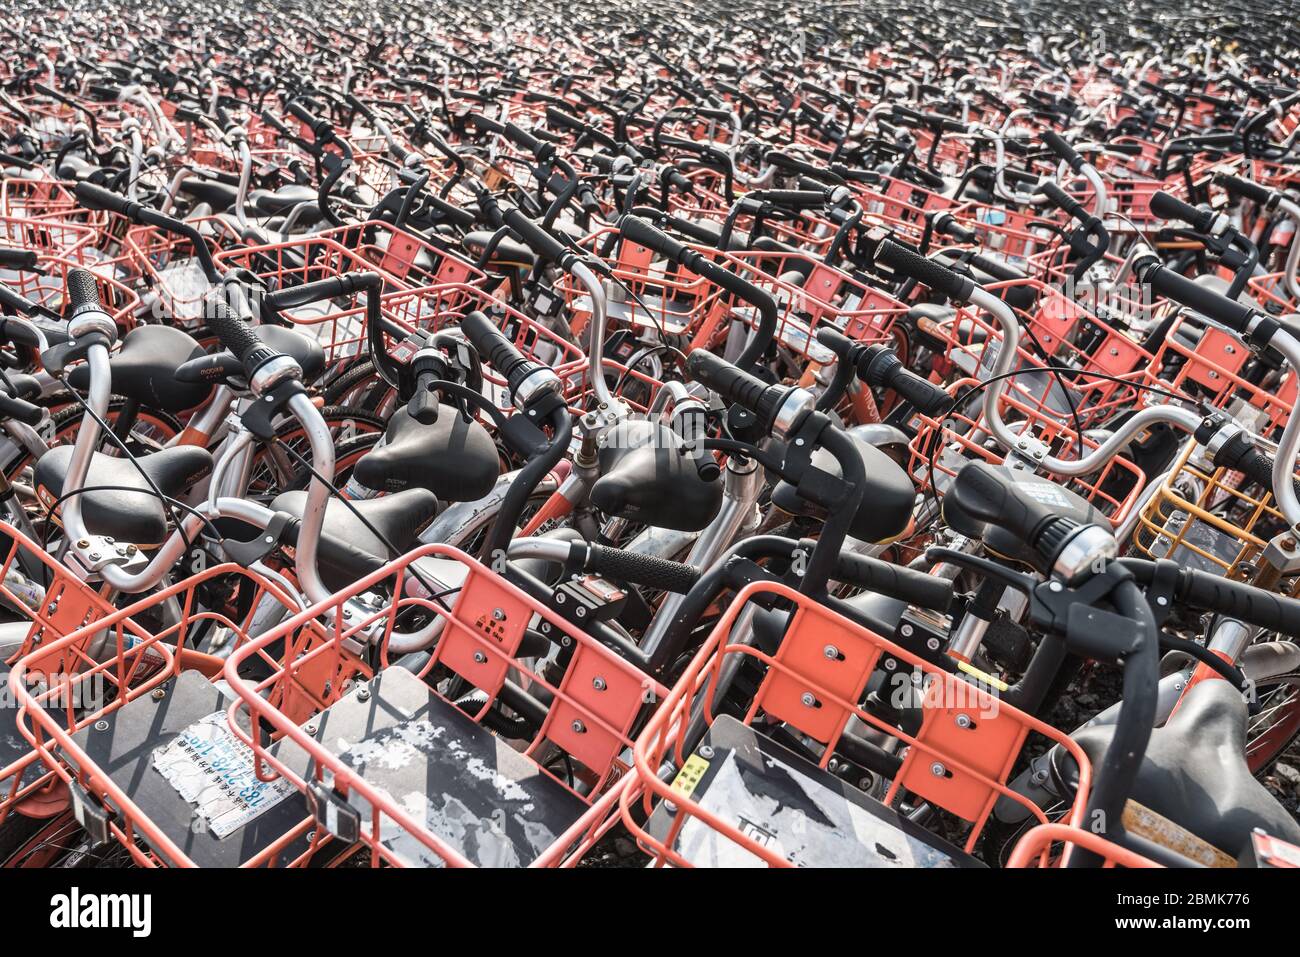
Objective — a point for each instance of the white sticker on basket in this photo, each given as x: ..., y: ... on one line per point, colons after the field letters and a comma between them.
x: 213, y: 770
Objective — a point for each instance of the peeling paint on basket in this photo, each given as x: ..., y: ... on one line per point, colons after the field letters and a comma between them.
x: 497, y: 839
x: 396, y: 748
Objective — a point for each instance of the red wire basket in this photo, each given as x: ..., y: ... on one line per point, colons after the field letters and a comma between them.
x: 36, y: 198
x: 125, y: 713
x: 1271, y: 293
x: 806, y: 231
x: 300, y: 260
x: 53, y: 201
x: 903, y: 203
x: 1132, y: 198
x: 1049, y: 845
x: 707, y: 201
x: 653, y: 295
x: 1103, y: 368
x: 1210, y: 364
x: 1007, y: 233
x: 165, y: 264
x: 824, y: 297
x: 48, y: 236
x: 431, y: 308
x: 47, y: 284
x: 407, y: 258
x: 36, y: 589
x: 739, y: 798
x: 650, y: 293
x: 416, y: 765
x: 339, y: 325
x: 941, y: 448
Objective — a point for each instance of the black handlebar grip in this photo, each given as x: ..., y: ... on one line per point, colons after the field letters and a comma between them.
x: 483, y: 123
x: 16, y: 332
x: 894, y: 581
x: 1240, y: 454
x: 1253, y: 605
x: 83, y: 292
x: 97, y: 197
x: 1213, y: 140
x: 906, y: 112
x: 275, y: 123
x: 986, y: 494
x: 322, y: 289
x: 558, y: 117
x: 232, y: 331
x: 887, y: 370
x: 1256, y: 465
x: 937, y: 277
x: 534, y: 236
x: 496, y: 349
x: 1171, y: 207
x: 522, y: 138
x: 796, y: 165
x: 733, y: 384
x: 713, y: 113
x: 23, y: 260
x: 946, y: 225
x: 1063, y: 200
x: 638, y: 231
x: 1053, y: 141
x: 836, y: 341
x: 602, y: 162
x: 638, y: 569
x: 795, y: 198
x: 21, y: 410
x: 1246, y: 188
x: 879, y: 365
x: 677, y: 180
x: 302, y: 114
x: 104, y: 91
x: 1207, y: 302
x: 737, y: 386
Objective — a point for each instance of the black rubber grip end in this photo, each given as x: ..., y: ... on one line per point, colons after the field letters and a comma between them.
x: 1204, y: 300
x: 894, y: 581
x: 1245, y: 188
x: 1171, y: 207
x: 643, y: 234
x: 83, y: 290
x: 937, y: 277
x: 635, y: 568
x: 232, y: 331
x: 496, y: 349
x: 20, y: 409
x: 96, y: 197
x: 1054, y: 142
x: 23, y: 260
x: 534, y: 236
x: 1063, y: 200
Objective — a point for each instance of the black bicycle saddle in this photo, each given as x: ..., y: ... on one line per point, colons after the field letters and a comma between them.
x: 455, y: 459
x: 887, y: 500
x: 347, y: 545
x: 1195, y: 771
x: 647, y: 476
x: 125, y: 508
x: 144, y: 369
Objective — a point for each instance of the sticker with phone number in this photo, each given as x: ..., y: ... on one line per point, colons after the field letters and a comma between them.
x: 213, y: 770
